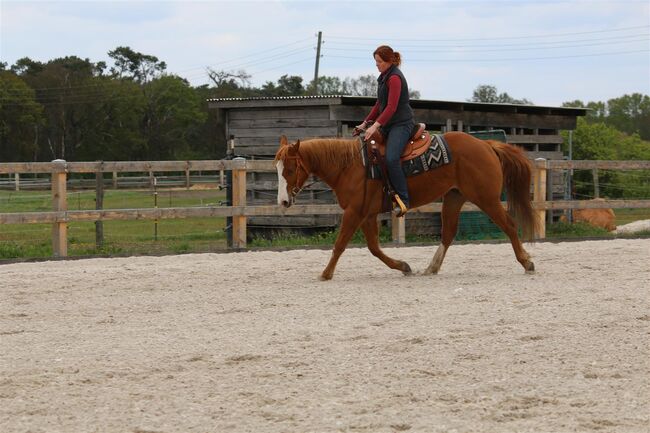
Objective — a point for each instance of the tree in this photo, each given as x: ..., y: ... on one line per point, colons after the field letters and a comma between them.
x: 134, y: 65
x: 326, y: 86
x: 229, y: 84
x: 65, y: 88
x: 364, y: 85
x: 172, y: 119
x: 110, y: 126
x: 631, y: 114
x: 21, y: 118
x: 27, y: 66
x: 599, y: 141
x: 290, y: 85
x: 487, y: 93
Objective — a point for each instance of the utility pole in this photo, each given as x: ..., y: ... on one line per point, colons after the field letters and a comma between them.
x: 320, y: 38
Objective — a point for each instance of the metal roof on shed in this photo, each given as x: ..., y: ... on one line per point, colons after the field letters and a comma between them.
x: 415, y: 103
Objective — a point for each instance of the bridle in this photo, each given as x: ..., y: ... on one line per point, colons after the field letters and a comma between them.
x: 299, y: 165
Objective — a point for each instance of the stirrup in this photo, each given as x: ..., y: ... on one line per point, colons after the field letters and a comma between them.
x: 402, y: 209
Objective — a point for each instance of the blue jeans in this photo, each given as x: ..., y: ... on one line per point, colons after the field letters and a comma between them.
x: 398, y: 136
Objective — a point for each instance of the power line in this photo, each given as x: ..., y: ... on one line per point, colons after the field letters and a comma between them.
x: 273, y: 58
x: 511, y: 59
x: 221, y: 63
x: 641, y: 36
x: 499, y: 37
x: 282, y: 66
x: 484, y: 50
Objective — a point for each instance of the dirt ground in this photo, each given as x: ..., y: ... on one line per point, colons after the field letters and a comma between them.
x: 253, y: 342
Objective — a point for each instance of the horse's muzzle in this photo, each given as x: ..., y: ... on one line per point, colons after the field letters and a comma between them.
x: 287, y: 203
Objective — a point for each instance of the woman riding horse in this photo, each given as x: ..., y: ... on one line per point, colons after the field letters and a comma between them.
x: 393, y: 117
x: 477, y: 173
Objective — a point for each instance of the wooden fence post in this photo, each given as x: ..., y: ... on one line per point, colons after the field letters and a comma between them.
x: 398, y: 226
x: 99, y: 205
x: 238, y: 199
x: 539, y: 194
x: 549, y: 194
x: 59, y: 203
x: 594, y: 175
x: 17, y: 177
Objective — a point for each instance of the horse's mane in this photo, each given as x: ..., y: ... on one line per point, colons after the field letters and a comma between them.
x: 330, y: 153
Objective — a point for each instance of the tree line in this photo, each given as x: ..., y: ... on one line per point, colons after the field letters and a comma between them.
x: 132, y: 109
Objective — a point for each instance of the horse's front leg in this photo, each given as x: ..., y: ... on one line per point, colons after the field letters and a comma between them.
x: 349, y: 224
x: 371, y: 232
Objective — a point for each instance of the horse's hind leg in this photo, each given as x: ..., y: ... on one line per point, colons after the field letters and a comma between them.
x: 371, y: 232
x: 451, y: 206
x: 349, y: 224
x: 505, y: 222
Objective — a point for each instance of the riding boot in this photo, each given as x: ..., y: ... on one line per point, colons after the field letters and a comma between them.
x: 401, y: 208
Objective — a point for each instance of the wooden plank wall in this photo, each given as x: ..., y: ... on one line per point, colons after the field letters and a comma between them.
x: 257, y: 132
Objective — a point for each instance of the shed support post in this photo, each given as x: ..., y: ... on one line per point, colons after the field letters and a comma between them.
x: 398, y: 226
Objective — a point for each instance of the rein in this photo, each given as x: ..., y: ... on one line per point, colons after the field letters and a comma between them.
x: 301, y: 165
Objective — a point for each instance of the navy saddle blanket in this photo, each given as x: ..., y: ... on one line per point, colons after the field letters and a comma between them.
x: 435, y: 156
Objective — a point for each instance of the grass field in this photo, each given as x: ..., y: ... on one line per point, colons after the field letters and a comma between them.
x: 183, y: 235
x: 120, y: 237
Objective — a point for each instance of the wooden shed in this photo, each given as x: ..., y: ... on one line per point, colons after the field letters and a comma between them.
x: 257, y: 124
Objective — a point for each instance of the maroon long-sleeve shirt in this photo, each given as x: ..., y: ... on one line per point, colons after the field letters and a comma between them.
x: 394, y: 89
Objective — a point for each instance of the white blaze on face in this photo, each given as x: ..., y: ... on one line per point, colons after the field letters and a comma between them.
x: 282, y: 185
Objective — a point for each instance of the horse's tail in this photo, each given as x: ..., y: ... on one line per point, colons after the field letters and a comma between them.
x: 517, y: 173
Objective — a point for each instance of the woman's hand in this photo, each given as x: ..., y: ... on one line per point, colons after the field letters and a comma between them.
x: 371, y: 131
x: 359, y: 129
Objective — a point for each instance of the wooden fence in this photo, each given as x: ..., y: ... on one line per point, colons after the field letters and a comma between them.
x: 60, y: 216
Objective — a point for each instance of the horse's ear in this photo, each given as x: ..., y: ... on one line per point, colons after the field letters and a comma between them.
x: 293, y: 148
x: 283, y: 141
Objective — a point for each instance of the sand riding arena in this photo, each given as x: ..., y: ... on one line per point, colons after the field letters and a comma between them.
x: 254, y: 342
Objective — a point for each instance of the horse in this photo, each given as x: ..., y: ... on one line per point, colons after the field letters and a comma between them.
x: 477, y: 172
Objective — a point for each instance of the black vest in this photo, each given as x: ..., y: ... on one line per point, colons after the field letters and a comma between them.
x: 403, y: 111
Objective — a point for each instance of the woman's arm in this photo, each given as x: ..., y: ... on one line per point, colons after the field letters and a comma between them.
x: 394, y: 91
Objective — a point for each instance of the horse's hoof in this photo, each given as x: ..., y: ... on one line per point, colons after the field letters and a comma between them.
x: 530, y: 269
x: 406, y: 269
x: 324, y: 277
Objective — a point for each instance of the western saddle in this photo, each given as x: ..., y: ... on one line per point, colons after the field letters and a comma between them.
x: 418, y: 143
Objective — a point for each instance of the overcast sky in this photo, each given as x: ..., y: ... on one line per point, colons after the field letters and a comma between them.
x: 546, y: 51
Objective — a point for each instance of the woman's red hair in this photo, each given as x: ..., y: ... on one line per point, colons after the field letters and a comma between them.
x: 387, y: 54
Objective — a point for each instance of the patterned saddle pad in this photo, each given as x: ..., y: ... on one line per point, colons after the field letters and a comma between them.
x: 435, y: 156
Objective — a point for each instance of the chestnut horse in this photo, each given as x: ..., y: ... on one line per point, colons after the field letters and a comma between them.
x: 477, y: 172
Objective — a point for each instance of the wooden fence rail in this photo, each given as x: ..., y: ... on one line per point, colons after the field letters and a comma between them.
x: 60, y: 216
